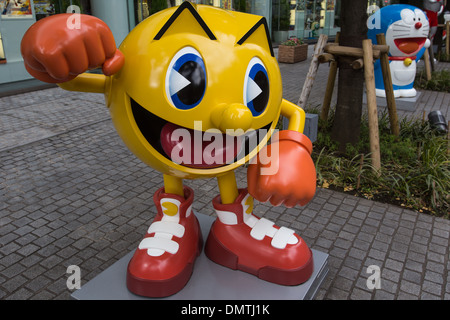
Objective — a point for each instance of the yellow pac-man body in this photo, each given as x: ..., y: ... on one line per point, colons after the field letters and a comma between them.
x: 147, y: 61
x: 196, y: 92
x: 228, y: 45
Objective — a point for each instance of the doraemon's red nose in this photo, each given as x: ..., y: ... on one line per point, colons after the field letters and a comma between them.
x: 418, y: 25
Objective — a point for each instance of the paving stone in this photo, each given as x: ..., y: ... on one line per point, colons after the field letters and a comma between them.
x: 357, y: 253
x: 21, y: 294
x: 412, y: 276
x: 432, y: 288
x: 358, y: 294
x: 377, y: 254
x: 383, y: 295
x: 14, y: 283
x: 434, y: 277
x: 38, y: 283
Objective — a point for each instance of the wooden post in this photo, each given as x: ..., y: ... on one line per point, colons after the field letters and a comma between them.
x: 384, y: 48
x: 376, y: 48
x: 350, y: 51
x: 326, y: 57
x: 307, y: 86
x: 448, y: 138
x: 388, y: 87
x: 426, y: 58
x: 358, y: 64
x: 372, y: 105
x: 330, y: 87
x: 430, y: 51
x: 447, y: 40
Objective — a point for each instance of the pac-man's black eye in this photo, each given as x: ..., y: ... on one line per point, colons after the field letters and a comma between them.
x: 256, y: 87
x: 186, y: 79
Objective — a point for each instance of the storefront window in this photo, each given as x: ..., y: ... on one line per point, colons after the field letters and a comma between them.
x: 381, y: 3
x: 308, y: 19
x: 281, y: 15
x: 45, y: 8
x: 11, y: 9
x: 141, y: 10
x: 305, y: 19
x: 145, y: 8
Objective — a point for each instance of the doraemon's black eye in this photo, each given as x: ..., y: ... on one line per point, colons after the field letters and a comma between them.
x: 256, y: 87
x: 186, y: 79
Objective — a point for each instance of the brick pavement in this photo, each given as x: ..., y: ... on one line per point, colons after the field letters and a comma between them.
x: 72, y: 194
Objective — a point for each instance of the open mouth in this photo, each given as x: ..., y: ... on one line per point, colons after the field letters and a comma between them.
x: 410, y: 45
x: 195, y: 148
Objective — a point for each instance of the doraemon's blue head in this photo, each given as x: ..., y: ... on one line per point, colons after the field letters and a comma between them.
x: 406, y: 29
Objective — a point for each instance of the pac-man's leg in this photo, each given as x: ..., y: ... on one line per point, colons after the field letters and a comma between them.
x: 173, y: 185
x: 242, y: 241
x: 228, y: 187
x: 164, y: 259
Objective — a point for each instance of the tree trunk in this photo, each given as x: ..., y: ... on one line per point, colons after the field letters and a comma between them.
x: 347, y: 119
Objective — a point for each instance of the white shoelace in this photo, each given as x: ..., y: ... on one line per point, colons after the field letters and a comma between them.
x: 164, y: 230
x: 162, y: 240
x: 280, y: 237
x: 260, y: 228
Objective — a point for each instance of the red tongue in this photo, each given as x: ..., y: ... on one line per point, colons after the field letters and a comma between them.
x: 189, y: 148
x: 409, y: 45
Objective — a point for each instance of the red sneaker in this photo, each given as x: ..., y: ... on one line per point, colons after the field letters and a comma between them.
x: 164, y: 260
x: 241, y: 241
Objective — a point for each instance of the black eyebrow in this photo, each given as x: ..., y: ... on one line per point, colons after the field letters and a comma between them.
x: 263, y: 22
x: 181, y: 8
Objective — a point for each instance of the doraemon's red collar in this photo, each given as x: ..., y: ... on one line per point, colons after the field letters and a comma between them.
x: 402, y: 58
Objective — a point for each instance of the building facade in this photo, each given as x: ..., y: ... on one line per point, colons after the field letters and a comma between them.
x: 306, y: 19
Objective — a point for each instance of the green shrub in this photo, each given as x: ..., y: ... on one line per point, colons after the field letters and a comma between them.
x: 440, y: 81
x: 415, y: 169
x: 443, y: 57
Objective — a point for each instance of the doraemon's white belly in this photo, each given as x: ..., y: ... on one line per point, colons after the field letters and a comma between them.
x: 402, y: 75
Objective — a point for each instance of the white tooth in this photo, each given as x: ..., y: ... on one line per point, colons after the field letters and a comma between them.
x: 253, y: 90
x: 177, y: 82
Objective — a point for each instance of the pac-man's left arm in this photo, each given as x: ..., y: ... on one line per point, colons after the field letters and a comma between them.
x: 294, y: 114
x: 288, y: 175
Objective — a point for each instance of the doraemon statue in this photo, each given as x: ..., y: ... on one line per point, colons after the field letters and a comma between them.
x: 406, y: 29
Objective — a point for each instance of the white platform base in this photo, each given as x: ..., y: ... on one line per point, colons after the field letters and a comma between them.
x: 209, y: 281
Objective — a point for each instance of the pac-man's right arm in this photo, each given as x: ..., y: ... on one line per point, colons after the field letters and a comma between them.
x: 56, y: 51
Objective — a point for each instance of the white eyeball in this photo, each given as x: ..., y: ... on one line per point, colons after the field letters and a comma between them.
x: 408, y: 16
x: 420, y: 16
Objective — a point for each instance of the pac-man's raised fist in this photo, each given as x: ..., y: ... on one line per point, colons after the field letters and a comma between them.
x: 56, y: 50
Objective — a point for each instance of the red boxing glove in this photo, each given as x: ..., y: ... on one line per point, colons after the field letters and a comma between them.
x: 56, y: 51
x: 289, y: 177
